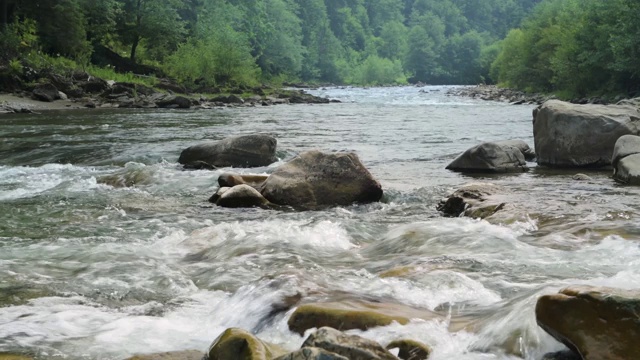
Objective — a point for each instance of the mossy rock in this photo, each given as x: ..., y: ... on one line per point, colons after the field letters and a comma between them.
x: 9, y: 356
x: 238, y: 344
x: 172, y: 355
x: 349, y: 315
x: 410, y: 349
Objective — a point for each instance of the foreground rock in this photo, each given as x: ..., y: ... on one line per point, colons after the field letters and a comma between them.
x: 240, y: 151
x: 350, y: 346
x: 626, y: 160
x: 476, y: 200
x: 569, y: 135
x: 237, y: 344
x: 598, y: 323
x: 494, y: 157
x: 314, y: 179
x: 347, y: 315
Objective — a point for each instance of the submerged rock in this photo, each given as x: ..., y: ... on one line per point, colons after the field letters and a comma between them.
x: 562, y: 355
x: 626, y: 160
x: 570, y: 135
x: 499, y: 156
x: 240, y: 151
x: 410, y: 349
x: 596, y: 322
x: 237, y: 344
x: 476, y: 200
x: 352, y: 347
x: 347, y: 315
x: 314, y: 179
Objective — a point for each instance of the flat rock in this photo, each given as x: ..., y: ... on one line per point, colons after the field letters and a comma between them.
x: 347, y: 315
x: 476, y: 200
x: 239, y: 196
x: 315, y: 179
x: 46, y: 92
x: 240, y: 151
x: 570, y: 135
x: 596, y: 322
x: 232, y: 179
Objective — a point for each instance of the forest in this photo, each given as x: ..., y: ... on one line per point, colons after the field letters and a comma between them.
x: 572, y: 47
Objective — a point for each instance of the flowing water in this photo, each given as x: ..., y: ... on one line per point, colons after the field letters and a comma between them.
x: 108, y: 248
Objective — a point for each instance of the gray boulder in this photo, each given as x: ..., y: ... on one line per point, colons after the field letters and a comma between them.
x: 46, y: 92
x: 570, y: 135
x: 175, y: 102
x: 597, y: 323
x: 499, y: 156
x: 352, y: 347
x: 476, y: 200
x: 626, y: 160
x: 314, y: 179
x: 241, y: 151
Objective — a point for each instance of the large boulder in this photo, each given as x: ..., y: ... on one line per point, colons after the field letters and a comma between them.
x: 240, y: 151
x: 499, y: 156
x: 314, y: 179
x: 570, y: 135
x: 174, y: 102
x: 312, y: 353
x: 352, y: 347
x: 46, y: 92
x: 626, y: 160
x: 347, y: 315
x: 598, y: 323
x: 237, y: 344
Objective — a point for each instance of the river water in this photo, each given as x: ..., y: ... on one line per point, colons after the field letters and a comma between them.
x: 108, y: 248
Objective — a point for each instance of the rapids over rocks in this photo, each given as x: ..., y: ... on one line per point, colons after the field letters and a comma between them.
x: 108, y: 248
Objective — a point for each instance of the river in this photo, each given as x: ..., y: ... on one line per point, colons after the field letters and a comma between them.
x: 108, y: 248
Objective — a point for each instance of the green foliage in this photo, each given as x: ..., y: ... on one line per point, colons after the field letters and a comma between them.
x: 378, y: 71
x: 108, y: 73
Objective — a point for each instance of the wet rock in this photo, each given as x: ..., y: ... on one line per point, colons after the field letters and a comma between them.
x: 596, y: 322
x: 240, y: 196
x: 199, y: 165
x: 166, y: 84
x: 172, y: 355
x: 352, y: 347
x: 581, y: 177
x: 240, y: 151
x: 233, y: 179
x: 569, y: 135
x: 46, y: 92
x: 626, y: 160
x: 176, y: 102
x: 410, y: 349
x: 312, y: 353
x: 314, y: 179
x: 347, y: 315
x: 10, y: 356
x: 476, y: 200
x: 493, y: 157
x: 237, y: 344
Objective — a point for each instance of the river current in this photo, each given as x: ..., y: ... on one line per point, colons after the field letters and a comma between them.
x: 108, y: 248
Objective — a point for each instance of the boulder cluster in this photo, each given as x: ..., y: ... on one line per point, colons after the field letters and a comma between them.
x: 594, y: 323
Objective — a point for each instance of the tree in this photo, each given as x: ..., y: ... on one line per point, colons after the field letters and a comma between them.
x: 156, y: 21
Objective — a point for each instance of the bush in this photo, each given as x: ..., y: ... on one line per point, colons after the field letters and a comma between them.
x: 375, y: 70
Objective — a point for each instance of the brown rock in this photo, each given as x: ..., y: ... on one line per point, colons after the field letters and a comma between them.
x: 410, y: 349
x: 237, y: 344
x: 353, y: 347
x: 172, y: 355
x: 598, y: 323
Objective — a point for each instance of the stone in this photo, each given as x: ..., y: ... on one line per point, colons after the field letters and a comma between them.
x: 237, y: 344
x: 562, y: 355
x: 10, y: 356
x: 494, y: 157
x: 347, y: 315
x: 410, y: 349
x: 240, y: 151
x: 312, y: 353
x: 626, y: 160
x: 46, y: 92
x: 476, y: 200
x: 93, y: 85
x: 314, y: 179
x: 172, y: 355
x: 596, y: 322
x: 199, y: 165
x: 173, y: 101
x: 352, y: 347
x: 241, y: 196
x: 570, y: 135
x: 581, y: 177
x: 233, y: 179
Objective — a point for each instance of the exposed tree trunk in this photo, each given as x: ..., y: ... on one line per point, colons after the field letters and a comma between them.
x: 134, y: 46
x: 136, y: 37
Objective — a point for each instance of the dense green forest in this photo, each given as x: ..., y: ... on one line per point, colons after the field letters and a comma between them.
x: 250, y: 41
x: 571, y: 46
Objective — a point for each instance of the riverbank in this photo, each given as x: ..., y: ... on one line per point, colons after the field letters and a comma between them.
x: 517, y: 97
